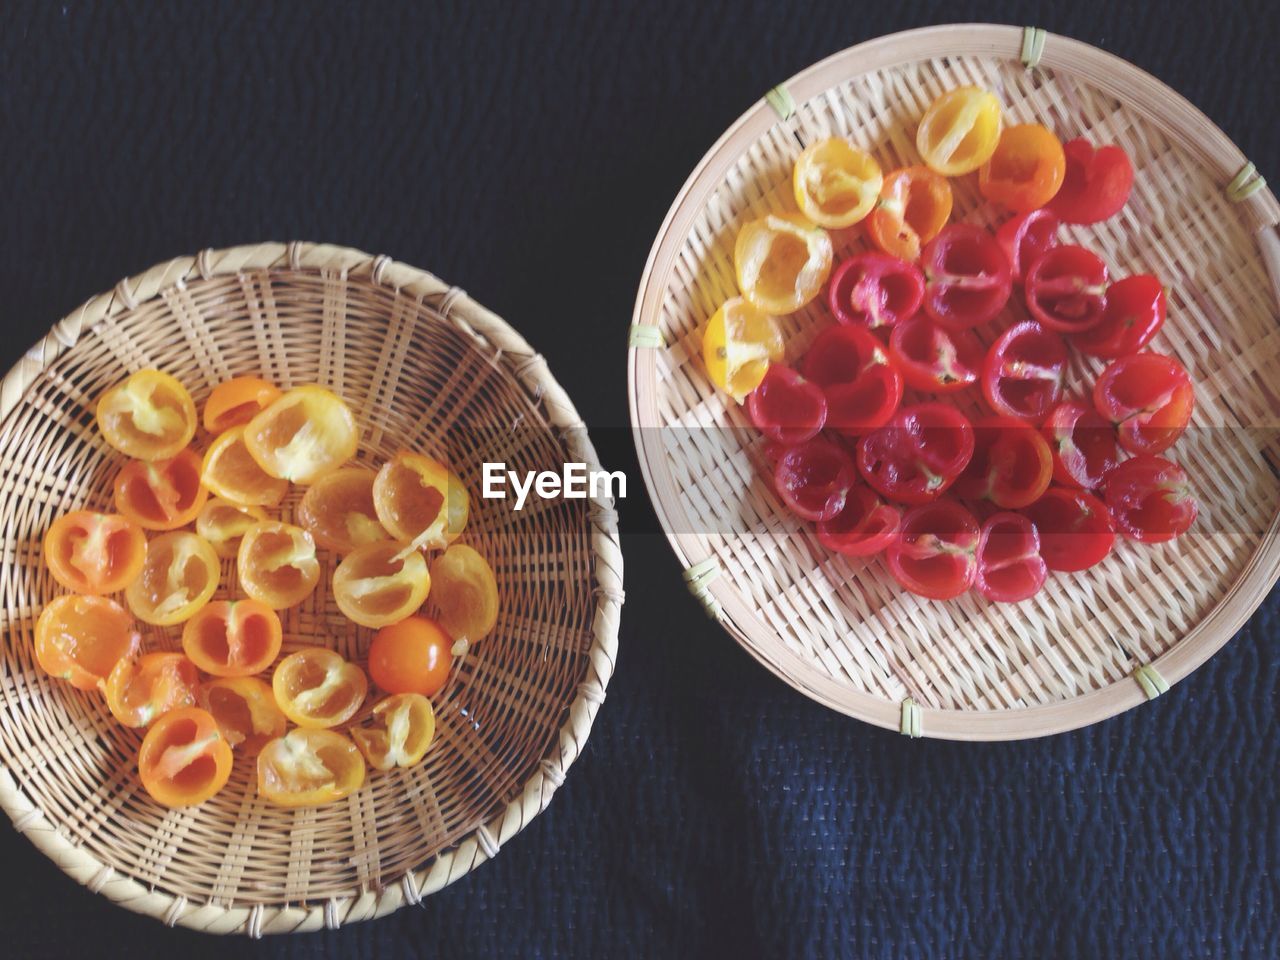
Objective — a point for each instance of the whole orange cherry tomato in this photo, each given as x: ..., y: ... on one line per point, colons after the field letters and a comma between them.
x: 142, y: 689
x: 161, y: 494
x: 233, y: 638
x: 81, y: 639
x: 223, y: 524
x: 316, y: 688
x: 94, y: 553
x: 412, y: 656
x: 303, y: 434
x: 277, y: 564
x: 1026, y: 170
x: 184, y: 760
x: 245, y: 710
x: 178, y: 577
x: 235, y: 402
x: 781, y: 261
x: 230, y: 473
x: 959, y: 131
x: 306, y: 768
x: 381, y: 583
x: 915, y: 204
x: 401, y: 729
x: 338, y: 510
x: 420, y: 500
x: 149, y: 416
x: 836, y: 184
x: 466, y: 592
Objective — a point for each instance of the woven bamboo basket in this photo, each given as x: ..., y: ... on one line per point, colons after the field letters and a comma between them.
x: 423, y: 366
x: 839, y: 630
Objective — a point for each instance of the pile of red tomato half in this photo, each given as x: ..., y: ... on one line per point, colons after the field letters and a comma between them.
x: 901, y: 430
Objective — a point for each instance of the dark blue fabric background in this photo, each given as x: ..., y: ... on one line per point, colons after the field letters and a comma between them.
x: 528, y: 153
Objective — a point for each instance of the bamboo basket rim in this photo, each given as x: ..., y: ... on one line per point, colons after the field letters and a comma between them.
x: 1176, y: 117
x: 524, y: 366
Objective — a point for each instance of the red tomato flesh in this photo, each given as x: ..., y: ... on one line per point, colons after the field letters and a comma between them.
x: 873, y: 289
x: 1066, y: 289
x: 1096, y: 185
x: 1009, y: 565
x: 1135, y: 313
x: 814, y: 478
x: 1026, y: 238
x: 935, y: 553
x: 864, y: 527
x: 1075, y: 529
x: 1011, y: 464
x: 1022, y: 375
x: 967, y: 277
x: 918, y: 454
x: 1083, y: 444
x: 1149, y: 397
x: 786, y: 407
x: 861, y: 384
x: 933, y: 358
x: 1150, y: 499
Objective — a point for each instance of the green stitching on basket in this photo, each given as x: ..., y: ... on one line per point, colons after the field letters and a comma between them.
x: 1150, y: 681
x: 1033, y: 40
x: 912, y: 721
x: 1245, y: 184
x: 698, y: 577
x: 644, y: 335
x: 780, y: 99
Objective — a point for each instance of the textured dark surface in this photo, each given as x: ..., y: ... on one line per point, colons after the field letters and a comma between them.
x: 528, y: 154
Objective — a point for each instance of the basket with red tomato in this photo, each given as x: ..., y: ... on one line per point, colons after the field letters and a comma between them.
x: 304, y: 716
x: 929, y: 422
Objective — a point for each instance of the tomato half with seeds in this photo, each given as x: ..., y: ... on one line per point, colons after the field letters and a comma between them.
x: 277, y: 564
x: 420, y: 500
x: 1026, y: 170
x: 338, y: 510
x: 232, y: 474
x: 305, y: 433
x: 161, y: 494
x: 235, y: 402
x: 400, y: 730
x: 918, y: 454
x: 1096, y: 184
x: 865, y: 525
x: 80, y: 639
x: 233, y: 638
x: 148, y: 416
x: 835, y: 183
x: 861, y: 384
x: 466, y: 593
x: 1075, y: 529
x: 1011, y: 464
x: 914, y: 205
x: 1135, y: 312
x: 184, y: 760
x: 245, y: 710
x: 1149, y: 397
x: 933, y: 358
x: 967, y: 278
x: 95, y: 553
x: 381, y: 583
x: 1150, y: 499
x: 935, y: 552
x: 142, y: 689
x: 223, y: 524
x: 1010, y: 568
x: 1023, y: 374
x: 179, y: 575
x: 960, y: 131
x: 1083, y: 444
x: 1026, y: 238
x: 873, y: 289
x: 412, y: 656
x: 316, y: 688
x: 786, y: 407
x: 1067, y: 289
x: 814, y: 478
x: 307, y: 768
x: 738, y: 345
x: 782, y: 260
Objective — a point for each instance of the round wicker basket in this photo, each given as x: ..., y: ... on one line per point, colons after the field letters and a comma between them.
x: 424, y: 367
x: 839, y: 630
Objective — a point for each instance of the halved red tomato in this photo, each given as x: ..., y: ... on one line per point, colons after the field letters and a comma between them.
x: 1075, y: 529
x: 1022, y: 375
x: 967, y: 277
x: 865, y: 525
x: 931, y: 357
x: 873, y: 289
x: 1096, y: 183
x: 1135, y: 313
x: 1011, y: 464
x: 1149, y: 397
x: 861, y: 384
x: 814, y: 478
x: 1026, y: 238
x: 935, y: 552
x: 786, y: 407
x: 1010, y: 567
x: 1083, y: 444
x: 1067, y: 289
x: 918, y: 454
x: 1150, y: 499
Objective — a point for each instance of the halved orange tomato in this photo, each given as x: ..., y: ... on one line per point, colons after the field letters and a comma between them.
x: 161, y: 494
x: 304, y: 434
x: 233, y: 638
x: 96, y: 553
x: 338, y: 510
x: 81, y: 639
x: 381, y: 583
x: 420, y: 500
x: 141, y: 689
x: 223, y: 523
x: 959, y: 131
x: 466, y: 592
x: 245, y: 710
x: 316, y: 688
x: 401, y: 729
x: 178, y: 577
x: 1026, y: 170
x: 235, y: 402
x: 230, y: 473
x: 277, y: 564
x: 915, y: 204
x: 149, y: 416
x: 306, y: 768
x: 184, y: 760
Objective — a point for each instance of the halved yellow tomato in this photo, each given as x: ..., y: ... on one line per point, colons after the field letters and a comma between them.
x: 835, y: 183
x: 178, y: 577
x: 245, y: 710
x: 232, y: 474
x: 307, y: 432
x: 94, y: 553
x: 466, y: 591
x: 148, y: 416
x: 782, y: 260
x: 142, y: 689
x: 223, y: 523
x: 316, y: 688
x: 81, y: 639
x: 338, y: 510
x: 738, y: 345
x: 381, y: 583
x: 959, y: 131
x: 161, y: 494
x: 277, y: 564
x: 401, y: 729
x: 306, y: 768
x: 420, y: 500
